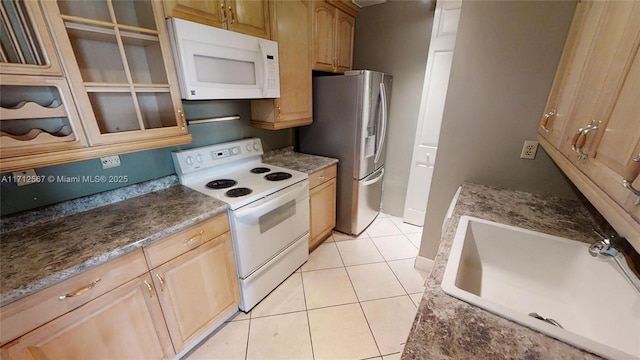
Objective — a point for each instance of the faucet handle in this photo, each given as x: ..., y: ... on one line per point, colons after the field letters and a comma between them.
x: 601, y: 235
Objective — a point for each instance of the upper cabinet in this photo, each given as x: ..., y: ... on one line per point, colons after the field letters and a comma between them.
x: 591, y: 124
x: 37, y: 111
x: 85, y: 79
x: 117, y: 57
x: 249, y: 17
x: 291, y: 28
x: 333, y: 31
x: 27, y: 47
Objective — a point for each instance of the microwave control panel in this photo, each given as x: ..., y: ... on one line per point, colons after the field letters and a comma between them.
x: 271, y: 71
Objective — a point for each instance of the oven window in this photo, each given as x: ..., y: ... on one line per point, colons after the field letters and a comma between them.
x: 224, y: 71
x: 275, y: 217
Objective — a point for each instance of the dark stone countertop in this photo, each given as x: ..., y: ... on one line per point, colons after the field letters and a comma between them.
x: 36, y: 256
x: 448, y: 328
x: 289, y: 159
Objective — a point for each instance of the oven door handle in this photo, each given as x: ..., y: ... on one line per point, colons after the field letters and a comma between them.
x: 251, y: 213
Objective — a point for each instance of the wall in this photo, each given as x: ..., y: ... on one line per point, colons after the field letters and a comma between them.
x: 504, y: 62
x: 144, y: 165
x: 394, y: 38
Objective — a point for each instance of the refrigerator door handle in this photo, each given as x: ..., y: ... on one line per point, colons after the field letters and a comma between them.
x: 383, y: 133
x: 375, y: 180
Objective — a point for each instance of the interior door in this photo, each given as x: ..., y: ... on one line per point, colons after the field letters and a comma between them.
x: 434, y: 92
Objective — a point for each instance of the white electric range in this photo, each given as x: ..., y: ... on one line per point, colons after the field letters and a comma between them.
x: 268, y: 210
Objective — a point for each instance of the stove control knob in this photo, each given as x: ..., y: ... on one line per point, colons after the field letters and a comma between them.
x: 256, y: 146
x: 189, y: 160
x: 199, y: 158
x: 248, y: 147
x: 235, y: 150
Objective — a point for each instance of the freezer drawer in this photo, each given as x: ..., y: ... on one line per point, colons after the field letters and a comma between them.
x: 367, y: 200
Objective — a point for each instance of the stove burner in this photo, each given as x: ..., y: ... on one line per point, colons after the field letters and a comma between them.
x: 277, y: 176
x: 260, y: 170
x: 237, y: 192
x: 221, y: 184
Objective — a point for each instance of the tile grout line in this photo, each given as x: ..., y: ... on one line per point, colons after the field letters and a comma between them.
x: 306, y: 311
x: 362, y: 309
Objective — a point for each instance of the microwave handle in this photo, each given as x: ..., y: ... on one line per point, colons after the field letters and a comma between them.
x: 264, y: 68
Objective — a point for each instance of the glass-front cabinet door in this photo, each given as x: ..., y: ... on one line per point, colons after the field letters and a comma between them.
x: 118, y: 61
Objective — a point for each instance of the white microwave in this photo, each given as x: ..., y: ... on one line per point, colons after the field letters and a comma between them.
x: 213, y: 63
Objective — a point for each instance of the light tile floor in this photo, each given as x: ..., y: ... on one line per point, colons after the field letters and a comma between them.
x: 354, y: 299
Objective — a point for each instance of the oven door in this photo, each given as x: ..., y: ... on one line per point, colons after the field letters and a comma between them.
x: 263, y: 229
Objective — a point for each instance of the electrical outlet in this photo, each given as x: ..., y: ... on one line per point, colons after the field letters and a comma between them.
x: 110, y: 161
x: 26, y: 177
x: 529, y: 150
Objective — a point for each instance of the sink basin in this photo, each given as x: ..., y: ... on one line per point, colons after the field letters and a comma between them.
x: 514, y: 272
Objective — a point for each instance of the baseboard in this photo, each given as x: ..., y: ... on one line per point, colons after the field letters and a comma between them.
x: 423, y: 263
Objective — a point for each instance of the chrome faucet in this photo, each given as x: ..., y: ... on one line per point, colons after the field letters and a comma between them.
x: 618, y: 249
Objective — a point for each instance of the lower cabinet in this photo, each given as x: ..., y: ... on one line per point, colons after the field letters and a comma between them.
x: 125, y: 323
x: 322, y: 205
x: 120, y: 310
x: 197, y: 289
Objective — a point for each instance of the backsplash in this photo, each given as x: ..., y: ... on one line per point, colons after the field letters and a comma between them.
x: 70, y: 181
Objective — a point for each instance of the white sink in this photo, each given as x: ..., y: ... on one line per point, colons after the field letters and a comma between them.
x: 513, y: 272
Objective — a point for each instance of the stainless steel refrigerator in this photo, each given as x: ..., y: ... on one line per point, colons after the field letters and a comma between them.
x: 350, y: 117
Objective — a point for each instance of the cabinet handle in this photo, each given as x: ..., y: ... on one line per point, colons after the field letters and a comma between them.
x: 193, y: 239
x: 581, y: 138
x: 320, y: 177
x: 182, y: 119
x: 631, y: 172
x: 80, y: 291
x: 231, y: 15
x: 224, y: 13
x: 545, y: 121
x: 149, y: 287
x: 161, y: 281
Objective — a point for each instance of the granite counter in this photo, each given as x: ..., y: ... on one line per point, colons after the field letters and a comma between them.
x: 306, y: 163
x: 36, y: 256
x: 448, y: 328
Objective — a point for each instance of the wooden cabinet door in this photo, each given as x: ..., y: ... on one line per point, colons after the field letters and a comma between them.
x: 619, y: 142
x: 27, y: 48
x: 324, y: 36
x: 345, y: 29
x: 570, y: 71
x: 125, y: 323
x: 249, y: 17
x: 614, y: 44
x: 209, y: 12
x: 197, y: 288
x: 322, y: 212
x: 291, y: 28
x: 119, y: 63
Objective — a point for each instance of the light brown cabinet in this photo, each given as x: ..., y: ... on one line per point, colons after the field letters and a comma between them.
x: 291, y: 28
x: 322, y: 205
x: 200, y: 287
x: 120, y: 310
x: 591, y: 126
x: 249, y: 17
x: 37, y: 111
x: 333, y: 31
x: 111, y: 311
